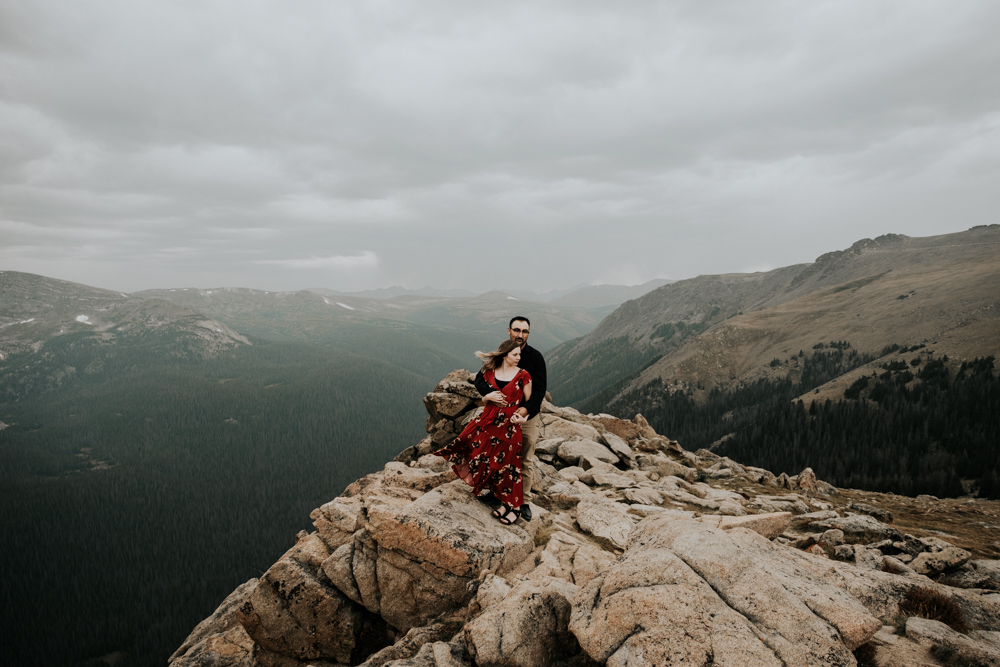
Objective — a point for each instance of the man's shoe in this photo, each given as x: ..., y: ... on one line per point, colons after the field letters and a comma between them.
x: 526, y: 512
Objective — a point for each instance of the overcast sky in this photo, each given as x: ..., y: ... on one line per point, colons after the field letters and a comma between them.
x: 527, y: 145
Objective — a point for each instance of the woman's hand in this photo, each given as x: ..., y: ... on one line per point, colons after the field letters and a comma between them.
x: 518, y: 418
x: 496, y: 397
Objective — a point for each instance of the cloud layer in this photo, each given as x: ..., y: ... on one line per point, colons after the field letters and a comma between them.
x: 522, y: 145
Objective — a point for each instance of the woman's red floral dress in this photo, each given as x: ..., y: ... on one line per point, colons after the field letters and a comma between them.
x: 487, y: 452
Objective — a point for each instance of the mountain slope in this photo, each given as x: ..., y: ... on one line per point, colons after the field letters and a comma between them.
x: 35, y: 310
x: 454, y: 327
x: 720, y: 330
x: 163, y: 458
x: 944, y: 289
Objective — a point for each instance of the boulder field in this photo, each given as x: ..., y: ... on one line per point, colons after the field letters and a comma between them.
x: 638, y: 553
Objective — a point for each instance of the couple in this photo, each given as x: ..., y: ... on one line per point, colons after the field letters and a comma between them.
x: 496, y: 451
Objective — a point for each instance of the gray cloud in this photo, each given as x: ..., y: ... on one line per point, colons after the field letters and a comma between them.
x: 526, y: 145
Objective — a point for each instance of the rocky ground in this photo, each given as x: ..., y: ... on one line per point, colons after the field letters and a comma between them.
x: 638, y: 553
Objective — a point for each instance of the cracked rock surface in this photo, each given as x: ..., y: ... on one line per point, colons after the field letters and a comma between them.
x: 638, y: 553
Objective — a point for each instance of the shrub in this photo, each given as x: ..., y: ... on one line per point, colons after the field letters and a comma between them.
x: 928, y: 603
x: 953, y: 658
x: 867, y: 656
x: 855, y: 389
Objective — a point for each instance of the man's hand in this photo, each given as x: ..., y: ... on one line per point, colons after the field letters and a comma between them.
x: 495, y: 397
x: 519, y: 417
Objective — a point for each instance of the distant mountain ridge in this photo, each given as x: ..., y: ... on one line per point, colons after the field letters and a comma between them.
x: 580, y: 295
x: 721, y: 330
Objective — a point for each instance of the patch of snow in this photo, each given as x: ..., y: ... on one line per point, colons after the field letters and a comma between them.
x: 513, y: 298
x: 344, y: 305
x: 209, y: 292
x: 84, y: 319
x: 219, y: 330
x: 326, y: 301
x: 26, y: 321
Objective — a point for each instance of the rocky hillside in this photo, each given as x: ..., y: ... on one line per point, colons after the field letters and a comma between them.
x: 638, y: 553
x: 726, y: 330
x: 35, y: 309
x: 46, y: 323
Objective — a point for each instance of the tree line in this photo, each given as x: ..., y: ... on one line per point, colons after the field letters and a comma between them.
x: 911, y: 427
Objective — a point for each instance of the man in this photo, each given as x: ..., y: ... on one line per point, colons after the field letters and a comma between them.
x: 526, y: 415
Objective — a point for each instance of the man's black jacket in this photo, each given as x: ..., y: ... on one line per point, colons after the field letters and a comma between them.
x: 533, y: 362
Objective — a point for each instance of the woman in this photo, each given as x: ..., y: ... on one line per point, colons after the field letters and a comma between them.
x: 487, y: 452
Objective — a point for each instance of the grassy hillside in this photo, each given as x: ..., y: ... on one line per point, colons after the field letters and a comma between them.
x: 722, y: 331
x: 872, y: 365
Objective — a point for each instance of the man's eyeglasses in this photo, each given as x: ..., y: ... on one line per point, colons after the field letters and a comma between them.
x: 521, y: 331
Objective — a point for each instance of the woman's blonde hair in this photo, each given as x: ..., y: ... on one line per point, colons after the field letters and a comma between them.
x: 493, y: 360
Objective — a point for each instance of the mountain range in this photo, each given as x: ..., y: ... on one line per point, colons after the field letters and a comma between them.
x: 183, y: 430
x: 585, y: 296
x: 721, y: 331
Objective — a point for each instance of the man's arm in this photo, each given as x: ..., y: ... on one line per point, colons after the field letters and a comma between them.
x: 482, y: 386
x: 538, y: 384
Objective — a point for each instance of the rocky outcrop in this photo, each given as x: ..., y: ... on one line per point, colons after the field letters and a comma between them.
x: 731, y: 596
x: 638, y: 553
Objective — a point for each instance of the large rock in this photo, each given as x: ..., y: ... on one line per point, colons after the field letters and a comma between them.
x: 528, y: 628
x: 605, y: 520
x: 989, y: 568
x: 881, y: 592
x: 767, y: 525
x: 436, y: 654
x: 885, y: 516
x: 650, y: 609
x: 643, y: 496
x: 805, y: 482
x: 686, y: 593
x: 571, y: 451
x: 416, y: 477
x: 337, y: 520
x: 294, y: 611
x: 619, y: 447
x: 411, y: 643
x: 219, y: 640
x: 664, y: 466
x: 429, y: 550
x: 572, y: 557
x: 445, y: 405
x: 624, y: 429
x: 556, y: 427
x: 967, y: 651
x: 459, y: 382
x: 859, y: 529
x: 938, y: 562
x: 612, y: 479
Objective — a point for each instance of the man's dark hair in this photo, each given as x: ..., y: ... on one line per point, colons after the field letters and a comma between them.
x: 521, y: 318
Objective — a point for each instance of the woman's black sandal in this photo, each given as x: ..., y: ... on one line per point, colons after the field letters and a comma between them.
x: 505, y: 517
